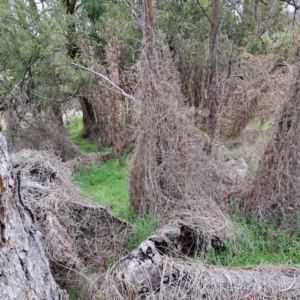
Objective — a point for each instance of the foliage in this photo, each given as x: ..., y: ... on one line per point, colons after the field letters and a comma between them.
x: 143, y: 227
x: 94, y: 9
x: 32, y: 47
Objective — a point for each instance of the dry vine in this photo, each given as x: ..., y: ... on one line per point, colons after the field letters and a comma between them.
x: 275, y: 190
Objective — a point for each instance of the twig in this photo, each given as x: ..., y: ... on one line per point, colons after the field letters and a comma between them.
x: 207, y: 16
x: 290, y: 287
x: 136, y: 102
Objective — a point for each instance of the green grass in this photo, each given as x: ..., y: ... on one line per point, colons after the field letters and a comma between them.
x: 143, y: 227
x: 106, y: 184
x: 75, y: 127
x: 259, y: 244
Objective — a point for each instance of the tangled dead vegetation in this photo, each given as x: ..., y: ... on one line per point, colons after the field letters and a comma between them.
x: 170, y: 170
x: 147, y: 273
x: 78, y: 235
x: 30, y: 126
x: 257, y: 90
x: 275, y: 190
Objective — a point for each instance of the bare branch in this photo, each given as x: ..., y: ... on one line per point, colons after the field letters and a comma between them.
x: 207, y: 16
x: 135, y: 101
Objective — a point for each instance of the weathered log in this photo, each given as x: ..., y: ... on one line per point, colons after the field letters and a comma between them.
x: 146, y: 273
x: 24, y: 268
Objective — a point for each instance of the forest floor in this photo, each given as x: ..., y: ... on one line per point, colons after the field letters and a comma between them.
x: 256, y: 244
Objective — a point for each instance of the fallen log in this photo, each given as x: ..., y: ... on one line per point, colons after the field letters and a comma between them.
x: 24, y: 268
x: 147, y: 273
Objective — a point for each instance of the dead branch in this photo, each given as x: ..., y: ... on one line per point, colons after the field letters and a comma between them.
x: 118, y: 89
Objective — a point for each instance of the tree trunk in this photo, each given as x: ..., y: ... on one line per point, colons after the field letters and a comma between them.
x: 24, y: 269
x: 88, y: 117
x: 213, y: 103
x: 148, y: 273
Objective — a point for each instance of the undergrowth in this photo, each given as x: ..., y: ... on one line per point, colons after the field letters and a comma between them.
x: 75, y: 127
x: 258, y: 243
x: 107, y: 184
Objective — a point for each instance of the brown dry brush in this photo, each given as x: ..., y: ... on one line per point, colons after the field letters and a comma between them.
x: 114, y: 113
x: 190, y: 60
x: 275, y: 190
x: 79, y: 235
x: 29, y: 125
x: 254, y: 94
x: 170, y: 170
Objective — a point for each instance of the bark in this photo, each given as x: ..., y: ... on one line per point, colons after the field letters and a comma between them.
x: 148, y: 34
x: 24, y: 269
x: 148, y: 273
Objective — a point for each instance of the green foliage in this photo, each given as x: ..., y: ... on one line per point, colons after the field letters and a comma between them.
x: 94, y: 9
x: 75, y: 127
x: 259, y: 244
x: 32, y: 52
x: 77, y: 292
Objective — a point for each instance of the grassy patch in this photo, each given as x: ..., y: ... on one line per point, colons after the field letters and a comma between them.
x: 75, y: 127
x: 107, y: 184
x: 143, y: 228
x: 259, y: 244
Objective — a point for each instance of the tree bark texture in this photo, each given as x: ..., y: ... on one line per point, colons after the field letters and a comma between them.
x: 148, y: 273
x: 24, y: 268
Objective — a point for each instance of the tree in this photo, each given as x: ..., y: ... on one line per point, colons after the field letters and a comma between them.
x: 213, y: 101
x: 36, y: 79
